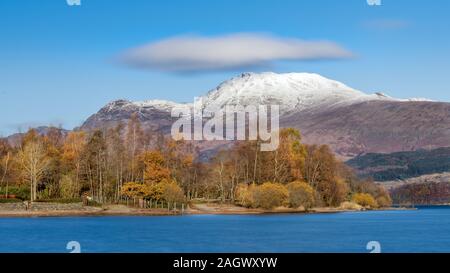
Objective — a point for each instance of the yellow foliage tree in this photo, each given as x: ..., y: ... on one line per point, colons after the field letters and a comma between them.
x: 300, y: 194
x: 172, y: 192
x: 155, y: 191
x: 290, y: 142
x: 384, y: 201
x: 71, y: 153
x: 269, y: 195
x: 365, y: 200
x: 34, y: 162
x: 68, y: 188
x: 154, y: 169
x: 244, y: 195
x: 133, y: 190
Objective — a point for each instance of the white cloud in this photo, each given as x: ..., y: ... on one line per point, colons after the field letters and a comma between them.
x: 196, y: 53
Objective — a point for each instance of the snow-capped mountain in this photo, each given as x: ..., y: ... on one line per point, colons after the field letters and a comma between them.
x: 292, y: 91
x: 162, y: 105
x: 326, y: 112
x: 154, y: 114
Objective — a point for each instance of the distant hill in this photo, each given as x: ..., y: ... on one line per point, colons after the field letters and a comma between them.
x: 14, y: 139
x: 402, y: 165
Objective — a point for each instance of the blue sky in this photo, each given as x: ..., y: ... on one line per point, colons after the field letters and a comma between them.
x: 58, y: 63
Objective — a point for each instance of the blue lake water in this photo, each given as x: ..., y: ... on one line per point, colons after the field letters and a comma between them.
x: 424, y: 230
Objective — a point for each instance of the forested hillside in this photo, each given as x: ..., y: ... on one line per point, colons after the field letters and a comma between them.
x: 402, y: 165
x: 422, y: 194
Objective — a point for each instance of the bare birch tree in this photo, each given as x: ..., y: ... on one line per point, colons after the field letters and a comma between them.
x: 34, y: 162
x: 5, y: 171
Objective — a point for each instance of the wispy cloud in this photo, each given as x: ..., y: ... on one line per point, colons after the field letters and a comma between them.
x: 387, y: 24
x: 197, y: 53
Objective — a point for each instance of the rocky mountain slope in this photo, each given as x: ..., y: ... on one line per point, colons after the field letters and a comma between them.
x: 377, y: 127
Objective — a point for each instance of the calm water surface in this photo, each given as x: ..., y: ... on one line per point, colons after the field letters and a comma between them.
x: 424, y: 230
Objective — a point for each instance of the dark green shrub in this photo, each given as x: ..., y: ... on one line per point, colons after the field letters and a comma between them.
x: 22, y: 193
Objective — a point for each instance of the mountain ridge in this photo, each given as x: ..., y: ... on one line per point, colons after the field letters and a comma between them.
x: 257, y: 86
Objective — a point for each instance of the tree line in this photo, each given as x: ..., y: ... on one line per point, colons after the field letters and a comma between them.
x: 128, y: 163
x: 431, y: 193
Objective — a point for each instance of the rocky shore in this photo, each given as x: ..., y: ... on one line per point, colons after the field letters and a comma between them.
x: 72, y: 209
x: 77, y: 209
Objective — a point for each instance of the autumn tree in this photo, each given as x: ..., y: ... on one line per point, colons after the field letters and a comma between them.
x: 365, y: 200
x: 134, y: 141
x: 384, y: 201
x: 245, y: 155
x: 368, y: 186
x: 34, y: 163
x: 72, y: 150
x: 156, y: 191
x: 180, y: 160
x: 52, y: 139
x: 116, y: 152
x: 239, y: 164
x: 154, y: 167
x: 270, y: 195
x: 219, y: 170
x: 287, y: 162
x: 300, y: 194
x: 131, y: 190
x: 172, y: 193
x: 244, y: 195
x: 68, y: 188
x: 94, y: 161
x: 322, y: 173
x: 5, y: 160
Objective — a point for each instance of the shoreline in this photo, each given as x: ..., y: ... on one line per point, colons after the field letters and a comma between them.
x: 118, y: 210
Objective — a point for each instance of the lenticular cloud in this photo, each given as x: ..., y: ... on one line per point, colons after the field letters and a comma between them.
x: 196, y: 53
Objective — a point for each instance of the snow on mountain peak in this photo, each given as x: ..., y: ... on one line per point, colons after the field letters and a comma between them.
x: 157, y: 104
x: 419, y: 100
x: 162, y: 105
x: 292, y: 91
